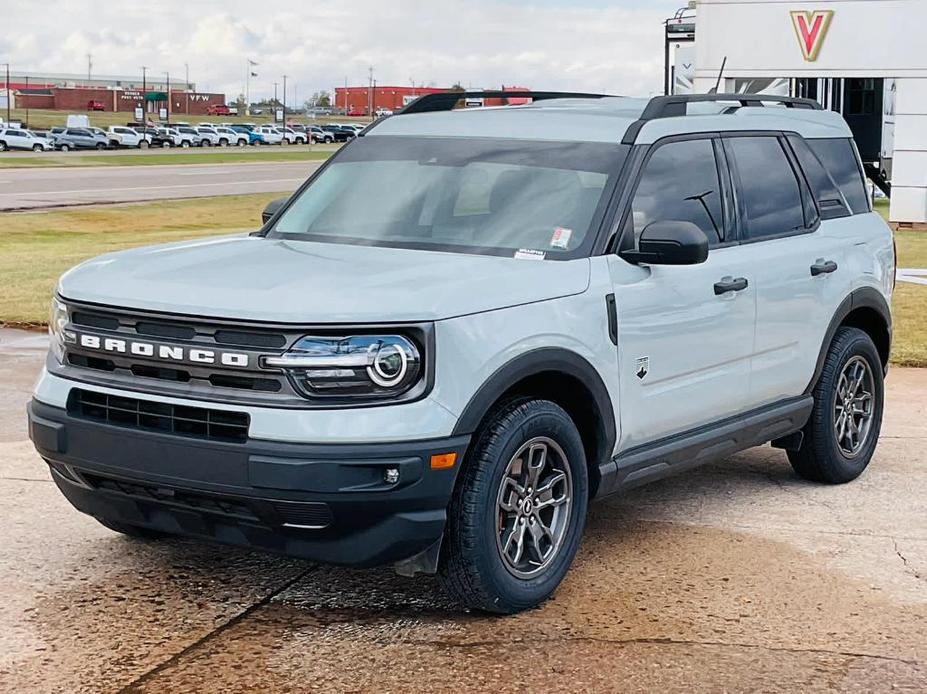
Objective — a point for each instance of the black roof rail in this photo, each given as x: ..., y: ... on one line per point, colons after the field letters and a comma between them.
x: 676, y: 105
x: 447, y: 101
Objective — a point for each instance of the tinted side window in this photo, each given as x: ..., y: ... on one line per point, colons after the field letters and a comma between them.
x: 839, y: 158
x: 828, y: 196
x: 680, y: 182
x: 769, y: 192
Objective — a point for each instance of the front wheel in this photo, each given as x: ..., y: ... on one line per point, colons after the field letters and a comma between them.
x: 2, y: 146
x: 101, y: 146
x: 38, y: 148
x: 64, y: 148
x: 143, y: 144
x: 843, y: 430
x: 185, y: 144
x: 223, y: 142
x: 517, y: 514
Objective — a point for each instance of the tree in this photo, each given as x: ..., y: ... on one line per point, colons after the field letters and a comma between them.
x: 458, y: 87
x: 241, y: 105
x: 319, y: 100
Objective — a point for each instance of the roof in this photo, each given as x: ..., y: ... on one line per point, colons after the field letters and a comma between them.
x: 608, y: 119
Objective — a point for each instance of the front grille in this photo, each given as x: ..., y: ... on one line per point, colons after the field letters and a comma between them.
x: 148, y: 415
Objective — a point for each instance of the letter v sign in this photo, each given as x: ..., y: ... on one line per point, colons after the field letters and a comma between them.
x: 811, y: 28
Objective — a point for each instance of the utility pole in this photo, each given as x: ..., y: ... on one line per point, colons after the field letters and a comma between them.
x: 89, y: 68
x: 144, y: 103
x: 284, y: 103
x: 8, y: 93
x: 167, y: 76
x: 276, y: 100
x: 370, y: 91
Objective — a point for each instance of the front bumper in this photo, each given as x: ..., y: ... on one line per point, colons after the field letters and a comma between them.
x: 324, y: 502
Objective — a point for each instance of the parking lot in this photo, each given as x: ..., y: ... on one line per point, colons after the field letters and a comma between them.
x: 737, y: 576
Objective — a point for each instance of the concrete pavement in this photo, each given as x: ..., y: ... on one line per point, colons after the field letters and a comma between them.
x: 58, y: 187
x: 737, y: 576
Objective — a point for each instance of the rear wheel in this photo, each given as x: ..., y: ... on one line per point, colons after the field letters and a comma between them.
x: 843, y: 430
x: 64, y: 148
x: 131, y: 530
x: 517, y: 515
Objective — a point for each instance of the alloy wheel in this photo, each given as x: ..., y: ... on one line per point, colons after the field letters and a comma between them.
x: 533, y: 507
x: 853, y: 406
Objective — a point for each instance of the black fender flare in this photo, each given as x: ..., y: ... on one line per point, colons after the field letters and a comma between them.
x: 531, y: 363
x: 866, y: 297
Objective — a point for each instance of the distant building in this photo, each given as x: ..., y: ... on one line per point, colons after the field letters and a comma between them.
x: 366, y: 101
x: 67, y: 92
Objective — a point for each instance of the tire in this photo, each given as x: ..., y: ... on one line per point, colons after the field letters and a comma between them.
x: 284, y: 142
x: 2, y: 146
x: 824, y: 455
x: 100, y: 146
x: 206, y: 143
x: 143, y: 144
x: 167, y: 144
x: 64, y: 148
x: 473, y: 569
x: 37, y: 148
x: 131, y: 530
x: 185, y: 144
x: 223, y: 142
x: 242, y: 143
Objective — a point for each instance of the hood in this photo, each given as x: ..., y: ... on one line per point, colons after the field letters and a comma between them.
x: 252, y: 278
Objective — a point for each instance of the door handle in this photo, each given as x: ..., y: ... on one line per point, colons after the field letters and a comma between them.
x: 730, y: 284
x: 823, y: 267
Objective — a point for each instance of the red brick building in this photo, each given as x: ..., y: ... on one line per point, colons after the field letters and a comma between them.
x: 364, y: 101
x: 77, y: 99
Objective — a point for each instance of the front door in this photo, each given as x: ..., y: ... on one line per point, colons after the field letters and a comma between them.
x: 685, y: 333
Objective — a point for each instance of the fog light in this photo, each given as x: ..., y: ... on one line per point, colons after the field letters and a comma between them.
x: 391, y: 475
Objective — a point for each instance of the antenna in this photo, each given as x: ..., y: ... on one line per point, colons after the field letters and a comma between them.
x: 714, y: 90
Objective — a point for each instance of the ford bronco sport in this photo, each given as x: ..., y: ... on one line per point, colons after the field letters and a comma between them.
x: 462, y: 329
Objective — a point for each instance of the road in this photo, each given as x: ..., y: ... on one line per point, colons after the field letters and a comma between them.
x: 57, y: 187
x: 735, y: 577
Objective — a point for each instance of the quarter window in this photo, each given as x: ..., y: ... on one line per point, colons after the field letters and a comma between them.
x: 839, y: 158
x: 680, y: 183
x: 769, y: 192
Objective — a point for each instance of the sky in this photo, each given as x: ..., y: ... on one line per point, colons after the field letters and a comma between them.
x: 578, y: 45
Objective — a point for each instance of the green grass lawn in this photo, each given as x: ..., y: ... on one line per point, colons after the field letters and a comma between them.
x: 37, y: 247
x: 171, y: 157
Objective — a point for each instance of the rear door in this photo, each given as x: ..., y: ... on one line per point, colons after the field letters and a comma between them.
x: 796, y: 265
x: 685, y: 342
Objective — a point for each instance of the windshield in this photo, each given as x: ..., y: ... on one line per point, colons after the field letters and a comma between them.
x: 487, y: 196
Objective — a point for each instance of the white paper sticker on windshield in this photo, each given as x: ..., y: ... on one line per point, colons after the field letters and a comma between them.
x: 561, y: 237
x: 529, y: 254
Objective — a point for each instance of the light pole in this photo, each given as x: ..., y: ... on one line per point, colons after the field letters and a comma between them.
x: 144, y: 103
x: 284, y: 103
x: 167, y: 76
x: 8, y: 92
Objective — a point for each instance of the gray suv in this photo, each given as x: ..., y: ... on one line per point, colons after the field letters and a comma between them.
x: 464, y: 328
x: 80, y: 138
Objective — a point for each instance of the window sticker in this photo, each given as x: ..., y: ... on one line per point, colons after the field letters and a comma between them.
x: 529, y: 254
x: 561, y: 237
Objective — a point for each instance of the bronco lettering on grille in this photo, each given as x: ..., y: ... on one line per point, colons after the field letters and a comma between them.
x: 152, y: 350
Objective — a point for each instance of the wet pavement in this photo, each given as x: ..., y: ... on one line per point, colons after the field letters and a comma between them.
x: 737, y: 576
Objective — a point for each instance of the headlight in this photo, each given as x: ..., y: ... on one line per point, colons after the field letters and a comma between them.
x: 57, y: 328
x: 361, y: 366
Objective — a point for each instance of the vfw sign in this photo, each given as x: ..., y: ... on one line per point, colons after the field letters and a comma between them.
x: 811, y: 29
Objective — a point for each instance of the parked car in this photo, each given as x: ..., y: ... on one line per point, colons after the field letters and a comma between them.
x: 340, y: 133
x: 667, y: 290
x: 80, y: 138
x: 178, y: 138
x: 218, y: 110
x: 158, y: 137
x: 230, y: 136
x: 254, y: 137
x: 208, y: 136
x: 196, y: 138
x: 94, y: 105
x: 123, y: 136
x: 295, y: 137
x: 320, y: 136
x: 270, y: 135
x: 17, y: 138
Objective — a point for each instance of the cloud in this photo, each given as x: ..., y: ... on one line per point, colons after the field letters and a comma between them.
x: 587, y: 45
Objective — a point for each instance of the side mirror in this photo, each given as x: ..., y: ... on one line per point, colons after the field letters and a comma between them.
x: 670, y: 242
x: 272, y: 208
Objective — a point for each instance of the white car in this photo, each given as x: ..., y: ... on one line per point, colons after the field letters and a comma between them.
x: 122, y: 136
x: 208, y: 136
x: 227, y: 137
x: 271, y: 134
x: 16, y: 138
x: 180, y: 139
x: 294, y: 137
